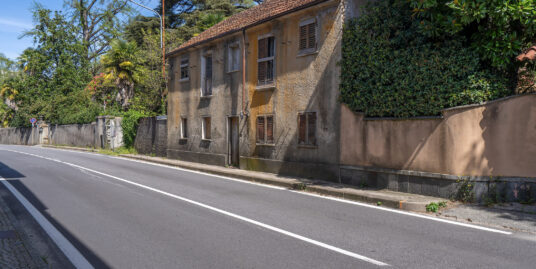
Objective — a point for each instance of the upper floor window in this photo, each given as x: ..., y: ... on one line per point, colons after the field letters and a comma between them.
x: 233, y: 57
x: 308, y: 35
x: 265, y: 61
x: 185, y: 73
x: 307, y: 128
x: 206, y: 76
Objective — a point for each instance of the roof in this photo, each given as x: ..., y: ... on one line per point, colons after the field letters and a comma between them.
x: 266, y: 11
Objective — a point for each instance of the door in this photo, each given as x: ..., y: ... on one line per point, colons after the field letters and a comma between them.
x: 234, y: 155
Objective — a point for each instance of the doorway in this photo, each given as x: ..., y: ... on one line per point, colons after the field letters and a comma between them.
x: 234, y: 140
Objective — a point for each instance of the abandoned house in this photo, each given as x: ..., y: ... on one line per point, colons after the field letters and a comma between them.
x: 259, y: 90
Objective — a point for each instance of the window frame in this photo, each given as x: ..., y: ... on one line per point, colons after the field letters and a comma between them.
x: 307, y: 143
x: 230, y: 48
x: 184, y: 65
x: 183, y: 129
x: 267, y: 59
x: 204, y: 128
x: 265, y: 141
x: 307, y: 51
x: 204, y: 57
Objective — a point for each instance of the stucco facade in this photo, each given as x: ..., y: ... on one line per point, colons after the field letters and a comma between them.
x: 303, y: 81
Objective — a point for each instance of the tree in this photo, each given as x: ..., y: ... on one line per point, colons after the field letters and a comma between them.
x: 498, y: 30
x: 123, y: 68
x: 98, y: 23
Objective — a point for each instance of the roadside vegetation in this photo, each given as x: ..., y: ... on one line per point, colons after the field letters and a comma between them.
x: 99, y: 58
x: 414, y: 58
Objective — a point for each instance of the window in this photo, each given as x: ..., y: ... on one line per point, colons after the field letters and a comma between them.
x: 308, y: 35
x: 185, y: 74
x: 265, y: 129
x: 206, y: 83
x: 265, y: 62
x: 307, y: 128
x: 233, y: 57
x: 205, y: 128
x: 184, y: 128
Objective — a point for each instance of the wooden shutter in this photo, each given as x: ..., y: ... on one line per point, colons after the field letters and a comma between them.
x: 207, y: 128
x: 303, y: 37
x: 312, y: 36
x: 263, y: 48
x: 270, y: 129
x: 302, y: 122
x: 260, y: 129
x: 261, y: 72
x: 311, y: 128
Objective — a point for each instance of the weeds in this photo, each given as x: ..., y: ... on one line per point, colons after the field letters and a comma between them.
x: 434, y: 207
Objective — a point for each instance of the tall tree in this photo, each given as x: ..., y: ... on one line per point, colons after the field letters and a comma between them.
x: 98, y: 22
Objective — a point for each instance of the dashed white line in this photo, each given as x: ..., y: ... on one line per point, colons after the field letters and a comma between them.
x: 223, y: 212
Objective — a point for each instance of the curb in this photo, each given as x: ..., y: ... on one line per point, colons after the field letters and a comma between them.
x: 290, y: 183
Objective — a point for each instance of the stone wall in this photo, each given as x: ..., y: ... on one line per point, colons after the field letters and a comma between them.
x: 78, y: 135
x: 489, y: 144
x: 151, y: 136
x: 19, y: 136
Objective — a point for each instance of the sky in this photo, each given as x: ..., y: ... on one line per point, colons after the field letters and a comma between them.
x: 16, y: 17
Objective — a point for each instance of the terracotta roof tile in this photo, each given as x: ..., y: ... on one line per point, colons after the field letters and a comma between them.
x: 270, y: 9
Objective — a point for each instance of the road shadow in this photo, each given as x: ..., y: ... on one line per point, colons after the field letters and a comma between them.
x: 13, y: 177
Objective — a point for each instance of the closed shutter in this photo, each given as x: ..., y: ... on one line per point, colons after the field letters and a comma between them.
x: 260, y: 130
x: 263, y: 48
x: 302, y: 125
x: 270, y: 129
x: 303, y: 37
x: 311, y: 128
x: 312, y: 36
x: 262, y: 70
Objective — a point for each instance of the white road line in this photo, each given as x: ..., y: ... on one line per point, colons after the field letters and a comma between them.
x: 245, y: 219
x: 397, y: 211
x: 76, y: 258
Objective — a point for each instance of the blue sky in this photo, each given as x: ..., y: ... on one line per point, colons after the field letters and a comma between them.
x: 16, y: 17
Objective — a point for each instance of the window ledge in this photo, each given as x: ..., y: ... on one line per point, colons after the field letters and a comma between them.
x: 184, y: 79
x: 183, y: 139
x: 304, y: 53
x: 265, y: 87
x: 304, y: 146
x: 266, y: 145
x: 233, y: 71
x: 206, y: 140
x: 206, y: 96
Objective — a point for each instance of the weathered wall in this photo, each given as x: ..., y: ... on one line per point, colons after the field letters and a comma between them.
x: 79, y: 135
x: 19, y: 136
x: 151, y: 137
x: 494, y: 139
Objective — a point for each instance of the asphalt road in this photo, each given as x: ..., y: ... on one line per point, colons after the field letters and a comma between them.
x: 122, y: 213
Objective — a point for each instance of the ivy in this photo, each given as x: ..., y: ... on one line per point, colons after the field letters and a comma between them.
x: 390, y: 68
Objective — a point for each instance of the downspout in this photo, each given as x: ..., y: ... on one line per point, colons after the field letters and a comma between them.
x: 243, y: 113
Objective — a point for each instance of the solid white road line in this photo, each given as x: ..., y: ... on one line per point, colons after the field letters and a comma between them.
x: 245, y: 219
x: 397, y: 211
x: 76, y: 258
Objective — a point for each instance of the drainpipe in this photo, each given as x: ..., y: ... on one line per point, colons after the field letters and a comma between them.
x: 243, y: 73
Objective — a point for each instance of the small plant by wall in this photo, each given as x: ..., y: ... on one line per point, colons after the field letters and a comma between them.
x: 390, y: 69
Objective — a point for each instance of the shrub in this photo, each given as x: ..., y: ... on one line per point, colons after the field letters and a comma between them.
x: 129, y: 124
x: 389, y: 68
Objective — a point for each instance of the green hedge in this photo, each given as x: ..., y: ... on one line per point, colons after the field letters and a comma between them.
x: 389, y: 69
x: 129, y: 124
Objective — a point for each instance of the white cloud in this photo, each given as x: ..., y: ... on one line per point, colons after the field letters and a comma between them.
x: 14, y: 23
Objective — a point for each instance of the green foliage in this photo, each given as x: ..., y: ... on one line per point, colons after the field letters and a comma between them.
x: 465, y: 191
x: 498, y: 30
x: 389, y: 68
x: 129, y: 125
x: 434, y: 207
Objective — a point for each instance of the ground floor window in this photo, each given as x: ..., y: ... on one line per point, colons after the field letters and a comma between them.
x: 184, y: 128
x: 307, y: 128
x: 205, y: 128
x: 265, y: 129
